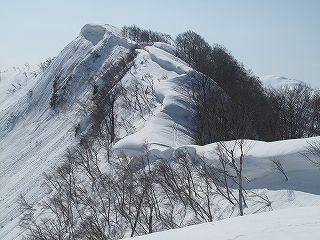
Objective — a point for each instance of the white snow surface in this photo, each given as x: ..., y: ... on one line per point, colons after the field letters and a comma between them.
x: 293, y: 223
x: 33, y: 138
x: 166, y: 126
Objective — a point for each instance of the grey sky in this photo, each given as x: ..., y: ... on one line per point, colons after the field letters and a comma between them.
x: 270, y: 37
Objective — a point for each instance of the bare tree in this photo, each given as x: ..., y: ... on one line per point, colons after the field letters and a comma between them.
x: 293, y: 112
x: 194, y: 49
x: 278, y: 166
x: 144, y: 36
x: 313, y: 147
x: 233, y: 154
x: 315, y: 114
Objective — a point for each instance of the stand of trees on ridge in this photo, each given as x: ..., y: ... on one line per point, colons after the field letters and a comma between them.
x: 239, y: 107
x: 144, y: 36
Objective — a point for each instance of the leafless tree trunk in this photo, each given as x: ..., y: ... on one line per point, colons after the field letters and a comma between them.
x: 233, y: 154
x: 278, y: 166
x: 313, y: 147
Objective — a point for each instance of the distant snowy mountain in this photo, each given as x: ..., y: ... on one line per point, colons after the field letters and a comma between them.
x: 46, y: 110
x: 279, y: 81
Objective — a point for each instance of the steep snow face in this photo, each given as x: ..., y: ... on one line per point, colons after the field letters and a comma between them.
x: 279, y: 81
x: 33, y: 136
x: 29, y: 93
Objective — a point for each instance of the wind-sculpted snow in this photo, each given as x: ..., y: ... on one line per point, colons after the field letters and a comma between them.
x: 166, y: 60
x: 93, y: 33
x: 259, y: 170
x: 167, y: 124
x: 96, y: 32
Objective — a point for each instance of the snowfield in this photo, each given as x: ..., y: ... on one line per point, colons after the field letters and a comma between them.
x: 33, y: 138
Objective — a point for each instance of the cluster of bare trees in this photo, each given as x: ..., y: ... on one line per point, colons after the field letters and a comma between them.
x: 216, y: 116
x: 104, y: 99
x: 293, y: 112
x: 89, y: 197
x: 94, y: 198
x: 211, y: 120
x: 78, y: 203
x: 43, y: 65
x: 313, y: 147
x: 239, y: 107
x: 232, y: 104
x: 194, y: 49
x: 136, y: 98
x: 144, y: 36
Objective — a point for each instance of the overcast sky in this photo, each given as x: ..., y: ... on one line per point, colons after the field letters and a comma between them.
x: 279, y: 37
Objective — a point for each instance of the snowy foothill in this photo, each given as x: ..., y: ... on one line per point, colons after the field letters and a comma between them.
x: 34, y: 138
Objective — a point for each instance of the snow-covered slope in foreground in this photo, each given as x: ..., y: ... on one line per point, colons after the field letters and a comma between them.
x: 293, y: 223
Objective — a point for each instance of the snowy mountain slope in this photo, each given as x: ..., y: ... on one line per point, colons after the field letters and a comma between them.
x: 293, y: 223
x: 80, y: 60
x: 34, y: 136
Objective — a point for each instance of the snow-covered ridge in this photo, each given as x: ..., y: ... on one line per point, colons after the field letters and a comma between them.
x: 166, y: 126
